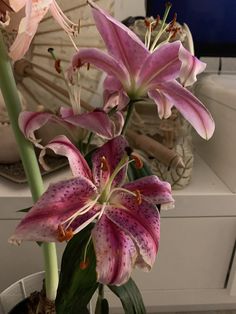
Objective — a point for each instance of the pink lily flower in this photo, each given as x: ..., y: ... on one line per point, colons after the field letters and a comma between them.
x: 137, y: 72
x: 35, y: 10
x: 97, y: 121
x: 127, y: 223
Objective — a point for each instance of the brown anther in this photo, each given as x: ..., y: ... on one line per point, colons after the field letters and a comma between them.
x: 64, y: 235
x: 168, y: 4
x: 57, y: 65
x: 138, y: 197
x: 147, y: 23
x: 84, y: 265
x: 137, y: 160
x: 157, y: 22
x: 88, y: 66
x: 104, y: 164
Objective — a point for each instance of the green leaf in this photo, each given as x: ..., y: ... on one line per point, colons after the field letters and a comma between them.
x: 130, y: 297
x: 76, y: 285
x: 24, y: 210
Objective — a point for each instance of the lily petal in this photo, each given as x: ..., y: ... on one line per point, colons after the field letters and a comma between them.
x: 190, y: 107
x: 101, y: 60
x: 163, y: 103
x: 142, y: 224
x: 152, y: 189
x: 62, y: 146
x: 120, y: 41
x: 115, y: 252
x: 161, y: 65
x: 56, y: 205
x: 29, y: 122
x: 191, y: 66
x: 114, y: 94
x: 96, y: 121
x: 113, y: 151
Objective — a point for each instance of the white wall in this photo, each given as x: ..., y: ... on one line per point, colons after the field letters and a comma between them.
x: 125, y: 8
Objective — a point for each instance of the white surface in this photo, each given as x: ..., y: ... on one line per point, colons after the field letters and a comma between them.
x: 218, y: 93
x: 124, y: 8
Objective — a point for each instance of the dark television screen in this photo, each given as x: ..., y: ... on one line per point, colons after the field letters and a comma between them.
x: 212, y: 23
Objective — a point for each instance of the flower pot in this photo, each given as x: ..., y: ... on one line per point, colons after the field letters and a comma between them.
x: 19, y: 291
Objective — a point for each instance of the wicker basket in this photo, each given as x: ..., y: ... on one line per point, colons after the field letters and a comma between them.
x: 166, y: 144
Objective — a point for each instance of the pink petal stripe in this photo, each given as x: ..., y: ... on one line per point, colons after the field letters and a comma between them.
x: 115, y: 252
x: 59, y: 202
x: 113, y: 151
x: 62, y: 146
x: 143, y: 228
x: 161, y: 65
x: 191, y: 66
x: 120, y: 41
x: 103, y: 61
x: 191, y: 108
x: 152, y: 189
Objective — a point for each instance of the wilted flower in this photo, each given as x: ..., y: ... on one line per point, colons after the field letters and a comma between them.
x: 35, y: 10
x: 105, y: 125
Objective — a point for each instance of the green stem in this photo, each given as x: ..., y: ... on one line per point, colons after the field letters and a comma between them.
x: 29, y: 160
x: 128, y: 116
x: 90, y: 137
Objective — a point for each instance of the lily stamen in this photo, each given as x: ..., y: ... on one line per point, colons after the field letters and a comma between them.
x: 137, y: 160
x: 104, y: 164
x: 138, y: 197
x: 80, y: 212
x: 84, y: 263
x: 64, y: 234
x: 121, y: 190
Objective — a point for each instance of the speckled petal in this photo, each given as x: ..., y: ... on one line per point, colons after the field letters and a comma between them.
x: 58, y: 203
x: 115, y: 252
x: 142, y: 223
x: 152, y: 189
x: 62, y: 146
x: 113, y: 151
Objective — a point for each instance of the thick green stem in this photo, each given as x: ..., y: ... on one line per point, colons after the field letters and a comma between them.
x: 29, y: 160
